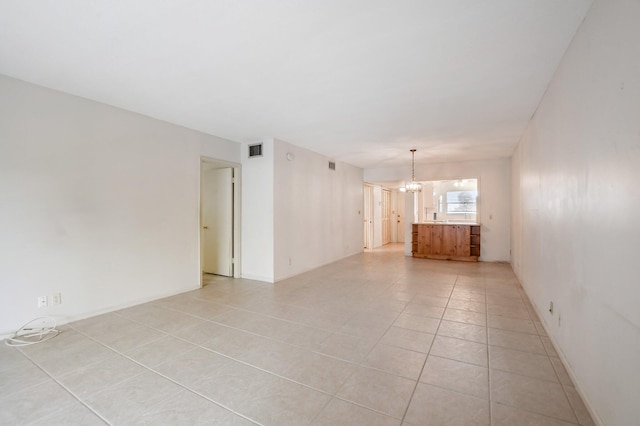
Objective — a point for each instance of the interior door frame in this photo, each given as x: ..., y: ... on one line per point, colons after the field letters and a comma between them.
x: 387, y: 216
x: 368, y: 211
x: 235, y: 217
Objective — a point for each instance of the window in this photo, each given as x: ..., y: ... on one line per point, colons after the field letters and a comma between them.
x: 454, y: 199
x: 461, y: 202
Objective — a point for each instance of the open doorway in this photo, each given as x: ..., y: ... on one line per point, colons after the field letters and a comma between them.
x: 217, y: 218
x: 382, y: 216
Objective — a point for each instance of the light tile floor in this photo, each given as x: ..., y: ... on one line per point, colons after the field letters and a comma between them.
x: 375, y: 339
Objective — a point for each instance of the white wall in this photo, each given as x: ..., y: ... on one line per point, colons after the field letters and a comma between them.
x: 410, y: 204
x: 217, y: 148
x: 258, y: 213
x: 317, y: 211
x: 96, y: 203
x: 576, y: 204
x: 494, y: 201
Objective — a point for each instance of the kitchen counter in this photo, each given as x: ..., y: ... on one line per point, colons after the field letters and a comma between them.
x: 450, y: 240
x: 448, y: 222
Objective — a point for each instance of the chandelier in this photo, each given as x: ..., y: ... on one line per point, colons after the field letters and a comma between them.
x: 412, y: 186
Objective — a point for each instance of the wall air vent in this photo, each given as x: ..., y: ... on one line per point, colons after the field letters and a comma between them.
x: 332, y: 165
x: 255, y: 150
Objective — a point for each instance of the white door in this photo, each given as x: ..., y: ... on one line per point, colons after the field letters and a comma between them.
x: 368, y: 217
x: 217, y: 220
x: 386, y: 216
x: 400, y: 216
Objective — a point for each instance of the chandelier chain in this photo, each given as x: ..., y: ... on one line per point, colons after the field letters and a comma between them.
x: 413, y: 186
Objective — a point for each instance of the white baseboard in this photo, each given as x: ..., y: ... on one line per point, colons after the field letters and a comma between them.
x: 585, y: 398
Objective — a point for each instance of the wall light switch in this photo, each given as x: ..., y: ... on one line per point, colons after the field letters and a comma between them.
x: 56, y: 299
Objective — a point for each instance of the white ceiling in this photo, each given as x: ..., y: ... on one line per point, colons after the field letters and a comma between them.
x: 359, y: 81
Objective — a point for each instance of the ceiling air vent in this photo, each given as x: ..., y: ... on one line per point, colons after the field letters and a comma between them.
x: 255, y: 150
x: 332, y: 165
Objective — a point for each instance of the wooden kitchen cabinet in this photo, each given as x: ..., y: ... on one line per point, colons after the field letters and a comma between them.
x: 414, y: 239
x: 446, y: 241
x: 424, y: 241
x: 463, y: 240
x: 474, y: 241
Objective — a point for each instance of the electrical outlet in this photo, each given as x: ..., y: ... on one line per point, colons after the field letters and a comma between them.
x: 289, y: 261
x: 551, y: 308
x: 42, y: 302
x: 56, y: 299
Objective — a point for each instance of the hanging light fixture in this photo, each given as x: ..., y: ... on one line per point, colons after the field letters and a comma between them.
x: 412, y: 186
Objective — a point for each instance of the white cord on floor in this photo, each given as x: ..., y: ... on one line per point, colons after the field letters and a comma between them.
x: 30, y: 335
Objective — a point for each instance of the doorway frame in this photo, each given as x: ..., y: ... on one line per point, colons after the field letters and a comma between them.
x: 236, y: 265
x: 386, y: 209
x: 368, y: 234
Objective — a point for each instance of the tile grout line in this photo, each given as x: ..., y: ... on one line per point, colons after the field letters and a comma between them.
x: 365, y: 357
x: 486, y: 301
x: 524, y: 299
x: 334, y: 395
x: 435, y: 334
x: 150, y: 369
x: 379, y: 292
x: 67, y: 390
